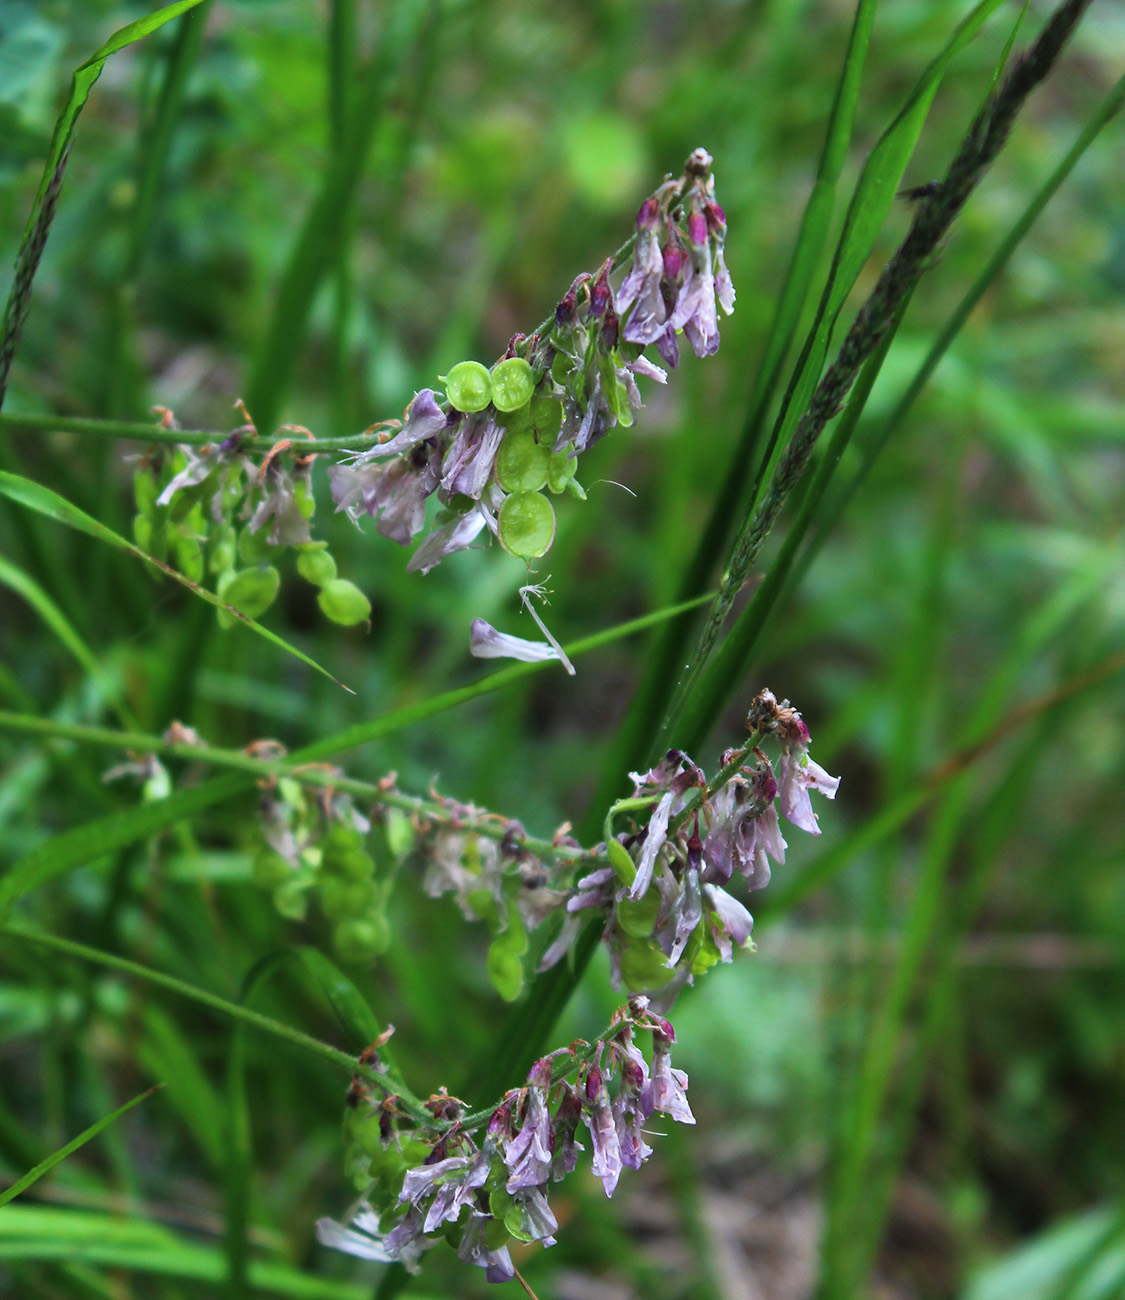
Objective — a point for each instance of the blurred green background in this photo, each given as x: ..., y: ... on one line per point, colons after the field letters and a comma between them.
x: 446, y: 200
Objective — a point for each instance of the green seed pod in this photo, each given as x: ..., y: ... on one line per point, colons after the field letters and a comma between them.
x: 254, y: 548
x: 505, y: 970
x: 512, y: 384
x: 341, y: 898
x: 144, y: 491
x: 269, y: 869
x: 623, y: 865
x: 637, y: 917
x: 189, y: 556
x: 343, y: 602
x: 521, y: 462
x: 252, y: 591
x: 546, y: 418
x: 515, y: 421
x: 224, y: 549
x: 315, y: 565
x: 360, y: 938
x: 142, y: 532
x: 527, y: 525
x: 561, y: 471
x: 468, y: 386
x: 643, y: 968
x: 303, y: 496
x: 292, y: 899
x: 706, y: 957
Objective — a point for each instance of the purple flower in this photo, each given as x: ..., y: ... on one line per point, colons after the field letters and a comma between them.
x: 468, y: 463
x: 453, y: 536
x: 486, y: 643
x: 694, y: 312
x: 529, y: 1156
x: 669, y: 1085
x: 537, y: 1222
x: 731, y: 923
x: 424, y: 419
x: 632, y: 1106
x: 598, y: 1118
x: 474, y: 1249
x: 642, y: 288
x: 566, y: 1145
x: 797, y: 774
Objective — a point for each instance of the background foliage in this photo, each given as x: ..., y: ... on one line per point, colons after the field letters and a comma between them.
x: 924, y: 1060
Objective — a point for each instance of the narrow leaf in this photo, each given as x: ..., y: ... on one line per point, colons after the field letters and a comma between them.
x: 39, y: 498
x: 56, y: 1157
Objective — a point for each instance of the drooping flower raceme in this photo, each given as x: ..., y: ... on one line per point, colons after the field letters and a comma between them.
x: 668, y: 914
x: 482, y: 1192
x: 498, y: 444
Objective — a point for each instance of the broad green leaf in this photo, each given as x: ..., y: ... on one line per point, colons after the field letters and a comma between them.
x: 45, y: 1166
x: 39, y: 498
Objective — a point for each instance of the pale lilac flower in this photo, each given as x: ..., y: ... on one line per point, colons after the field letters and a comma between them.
x: 598, y: 1118
x: 364, y: 1237
x: 528, y: 1157
x: 686, y: 914
x: 632, y: 1105
x: 456, y: 535
x: 642, y: 289
x: 730, y: 922
x: 654, y: 842
x: 474, y: 1249
x: 537, y: 1220
x: 424, y: 419
x: 486, y: 643
x: 694, y: 312
x: 797, y: 774
x: 669, y: 1085
x: 468, y: 463
x: 566, y: 1146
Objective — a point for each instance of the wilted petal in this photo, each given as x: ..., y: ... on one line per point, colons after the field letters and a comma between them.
x: 474, y: 1250
x: 486, y: 643
x: 424, y: 419
x: 654, y: 842
x: 443, y: 541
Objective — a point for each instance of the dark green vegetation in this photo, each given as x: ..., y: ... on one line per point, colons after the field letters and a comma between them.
x: 320, y: 209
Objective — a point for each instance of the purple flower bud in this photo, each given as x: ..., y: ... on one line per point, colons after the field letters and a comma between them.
x: 716, y: 218
x: 649, y: 214
x: 697, y: 228
x: 600, y: 294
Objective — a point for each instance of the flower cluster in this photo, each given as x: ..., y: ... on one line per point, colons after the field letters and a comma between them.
x: 496, y: 439
x: 668, y: 913
x: 222, y: 511
x: 482, y: 1194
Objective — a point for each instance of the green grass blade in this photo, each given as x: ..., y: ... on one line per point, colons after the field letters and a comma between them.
x: 24, y: 585
x: 873, y: 445
x: 56, y: 1157
x: 41, y: 499
x: 104, y: 835
x: 46, y: 198
x: 326, y: 222
x: 94, y: 839
x: 633, y: 737
x: 46, y: 1234
x: 68, y: 947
